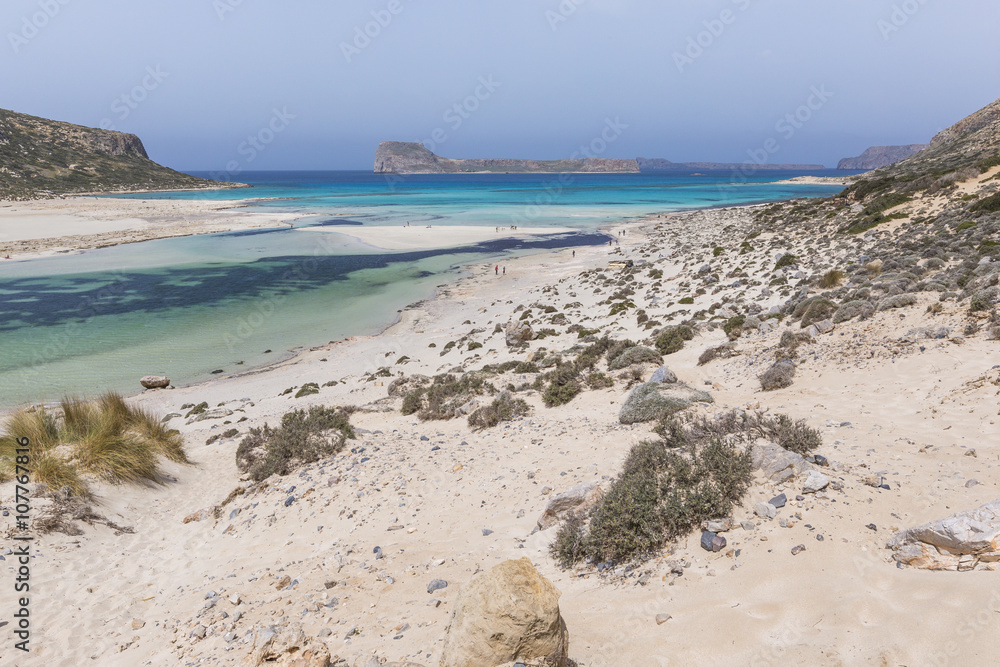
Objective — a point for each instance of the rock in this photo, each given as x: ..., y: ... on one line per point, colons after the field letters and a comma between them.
x: 958, y: 543
x: 289, y: 647
x: 824, y: 326
x: 467, y: 408
x: 662, y: 618
x: 198, y: 632
x: 719, y: 526
x: 578, y: 499
x: 663, y: 375
x: 518, y: 333
x: 217, y: 413
x: 155, y: 382
x: 779, y: 501
x: 820, y: 460
x: 815, y: 482
x: 777, y: 463
x: 707, y: 539
x: 138, y: 624
x: 507, y: 614
x: 799, y: 549
x: 202, y: 515
x: 874, y: 481
x: 436, y: 585
x: 765, y: 510
x: 971, y: 483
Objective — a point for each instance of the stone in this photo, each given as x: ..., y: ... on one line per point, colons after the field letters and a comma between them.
x: 971, y: 483
x: 155, y: 382
x: 662, y: 618
x: 436, y: 585
x: 663, y: 375
x: 467, y: 408
x: 289, y: 647
x: 779, y: 501
x: 198, y: 632
x: 777, y: 463
x: 706, y: 540
x: 815, y: 482
x: 874, y: 481
x: 201, y: 515
x: 518, y: 333
x: 578, y: 499
x: 718, y: 543
x: 799, y: 549
x: 719, y: 526
x: 505, y: 615
x: 138, y: 624
x: 824, y: 326
x: 217, y: 413
x: 765, y: 510
x: 820, y: 460
x: 959, y: 542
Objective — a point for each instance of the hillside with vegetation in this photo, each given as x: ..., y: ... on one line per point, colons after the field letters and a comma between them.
x: 402, y: 157
x: 41, y: 158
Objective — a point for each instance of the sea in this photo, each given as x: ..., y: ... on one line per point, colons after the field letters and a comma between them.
x: 192, y: 307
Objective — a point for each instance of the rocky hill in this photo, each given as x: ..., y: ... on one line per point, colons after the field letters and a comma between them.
x: 40, y: 158
x: 401, y: 157
x: 660, y: 164
x: 880, y: 156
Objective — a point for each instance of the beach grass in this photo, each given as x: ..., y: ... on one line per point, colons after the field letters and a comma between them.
x: 85, y: 440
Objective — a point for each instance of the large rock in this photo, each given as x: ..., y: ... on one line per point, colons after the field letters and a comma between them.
x: 518, y: 333
x: 155, y: 382
x: 664, y: 375
x: 578, y: 499
x: 508, y: 614
x: 777, y: 463
x: 959, y: 542
x: 652, y: 400
x: 288, y: 647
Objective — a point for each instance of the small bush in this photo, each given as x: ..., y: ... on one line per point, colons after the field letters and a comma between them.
x: 503, y: 409
x: 713, y: 353
x: 897, y: 301
x: 636, y: 355
x: 686, y: 301
x: 990, y: 204
x: 303, y: 437
x: 852, y: 309
x: 599, y: 381
x: 652, y: 400
x: 672, y: 339
x: 832, y: 278
x: 308, y: 389
x: 785, y: 261
x: 818, y: 310
x: 733, y: 327
x: 412, y: 402
x: 778, y: 376
x: 441, y: 399
x: 562, y: 387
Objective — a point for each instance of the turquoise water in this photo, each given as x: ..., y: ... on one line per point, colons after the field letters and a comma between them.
x: 79, y: 324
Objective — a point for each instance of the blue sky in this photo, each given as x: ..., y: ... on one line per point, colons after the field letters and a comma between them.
x: 685, y: 80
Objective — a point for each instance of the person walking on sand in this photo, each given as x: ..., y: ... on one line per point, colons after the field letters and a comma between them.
x: 496, y: 269
x: 574, y: 254
x: 505, y: 270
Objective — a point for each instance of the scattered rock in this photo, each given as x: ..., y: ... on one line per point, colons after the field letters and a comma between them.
x: 578, y: 499
x: 765, y: 510
x: 663, y: 375
x: 779, y: 501
x: 777, y: 463
x: 518, y: 333
x: 505, y: 615
x: 662, y: 618
x: 217, y: 413
x: 815, y: 482
x: 202, y: 515
x: 799, y: 549
x: 436, y: 585
x: 289, y: 648
x: 155, y: 382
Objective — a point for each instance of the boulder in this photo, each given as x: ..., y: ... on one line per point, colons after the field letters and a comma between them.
x: 155, y: 382
x: 652, y: 400
x: 777, y: 463
x: 578, y: 499
x: 959, y: 542
x: 663, y: 375
x: 217, y: 413
x: 505, y: 615
x: 765, y: 510
x: 518, y: 333
x: 289, y: 647
x: 816, y: 482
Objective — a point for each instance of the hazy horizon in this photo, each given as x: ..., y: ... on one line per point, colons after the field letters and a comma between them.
x: 319, y: 86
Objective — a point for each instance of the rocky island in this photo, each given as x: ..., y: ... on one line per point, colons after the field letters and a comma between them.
x: 877, y: 157
x: 402, y: 157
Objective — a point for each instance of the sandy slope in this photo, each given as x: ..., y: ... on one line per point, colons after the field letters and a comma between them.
x: 913, y: 414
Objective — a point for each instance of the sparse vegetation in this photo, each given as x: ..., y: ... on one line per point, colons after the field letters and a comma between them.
x: 778, y: 376
x: 672, y: 339
x: 303, y: 437
x: 504, y: 408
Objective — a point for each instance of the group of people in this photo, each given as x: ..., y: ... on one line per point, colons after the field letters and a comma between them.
x: 496, y: 270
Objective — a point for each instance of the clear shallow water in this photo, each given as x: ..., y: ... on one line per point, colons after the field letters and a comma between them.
x: 80, y: 324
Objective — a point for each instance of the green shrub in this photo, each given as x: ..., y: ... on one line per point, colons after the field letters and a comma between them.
x: 562, y: 387
x: 852, y: 309
x: 733, y: 327
x: 308, y: 389
x: 818, y: 310
x: 832, y: 278
x: 990, y: 204
x: 650, y: 401
x: 636, y: 355
x: 599, y: 381
x: 303, y: 437
x: 718, y: 250
x: 686, y: 301
x: 504, y: 408
x: 787, y: 259
x: 778, y: 376
x: 475, y: 346
x: 672, y: 339
x: 897, y: 301
x: 413, y: 401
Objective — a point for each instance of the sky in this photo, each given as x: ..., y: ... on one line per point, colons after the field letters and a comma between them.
x: 215, y: 85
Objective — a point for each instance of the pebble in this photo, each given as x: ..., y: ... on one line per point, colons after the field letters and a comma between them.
x: 799, y: 549
x: 487, y: 532
x: 424, y: 438
x: 662, y: 618
x: 779, y: 501
x: 971, y: 483
x: 436, y: 585
x: 378, y: 553
x: 289, y: 500
x: 765, y: 510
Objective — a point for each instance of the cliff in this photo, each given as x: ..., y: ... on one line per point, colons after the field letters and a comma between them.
x: 880, y: 156
x: 40, y: 157
x: 401, y: 157
x: 659, y: 164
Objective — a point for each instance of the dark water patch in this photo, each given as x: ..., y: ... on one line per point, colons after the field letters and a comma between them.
x: 78, y: 297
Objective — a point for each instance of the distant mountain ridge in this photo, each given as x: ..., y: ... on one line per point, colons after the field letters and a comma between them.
x: 877, y: 157
x: 660, y: 164
x: 41, y: 157
x: 402, y: 157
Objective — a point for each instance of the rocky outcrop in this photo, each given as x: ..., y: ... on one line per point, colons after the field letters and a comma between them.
x: 578, y: 499
x: 659, y: 164
x: 877, y: 157
x: 289, y: 647
x: 506, y: 615
x: 401, y: 157
x: 960, y: 542
x: 41, y: 157
x: 778, y: 464
x: 518, y: 333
